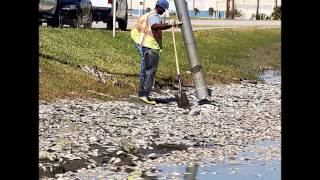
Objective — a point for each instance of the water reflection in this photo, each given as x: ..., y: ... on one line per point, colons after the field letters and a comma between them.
x: 192, y: 172
x: 271, y: 76
x: 246, y: 166
x: 243, y: 171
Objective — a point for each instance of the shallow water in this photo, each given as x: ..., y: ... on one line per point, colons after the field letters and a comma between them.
x: 245, y: 167
x: 271, y: 76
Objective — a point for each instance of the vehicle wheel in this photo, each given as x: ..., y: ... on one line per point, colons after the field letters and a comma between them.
x: 53, y: 22
x: 60, y: 19
x: 76, y: 21
x: 110, y: 24
x: 123, y: 23
x: 89, y: 23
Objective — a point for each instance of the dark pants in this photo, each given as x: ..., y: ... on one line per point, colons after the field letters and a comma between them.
x: 148, y: 68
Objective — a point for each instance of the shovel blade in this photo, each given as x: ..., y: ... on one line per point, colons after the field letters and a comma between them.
x: 182, y: 100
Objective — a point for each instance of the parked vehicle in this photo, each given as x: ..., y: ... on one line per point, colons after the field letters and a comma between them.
x: 102, y: 11
x: 71, y: 12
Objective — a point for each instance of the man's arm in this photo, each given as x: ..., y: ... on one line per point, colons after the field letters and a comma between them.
x: 161, y: 26
x: 165, y: 26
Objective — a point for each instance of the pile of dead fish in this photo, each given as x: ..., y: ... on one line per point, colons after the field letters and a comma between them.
x: 91, y: 139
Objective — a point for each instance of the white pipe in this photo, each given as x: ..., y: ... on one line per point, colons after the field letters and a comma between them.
x: 139, y: 10
x: 114, y: 18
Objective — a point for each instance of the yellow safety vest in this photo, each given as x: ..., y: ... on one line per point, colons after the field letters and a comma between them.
x: 144, y: 35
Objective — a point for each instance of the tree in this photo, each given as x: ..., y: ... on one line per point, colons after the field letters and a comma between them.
x: 276, y: 14
x: 253, y: 16
x: 257, y: 13
x: 276, y: 3
x: 263, y: 16
x: 196, y: 11
x: 227, y: 8
x: 148, y: 10
x: 235, y: 12
x: 211, y: 11
x: 232, y: 10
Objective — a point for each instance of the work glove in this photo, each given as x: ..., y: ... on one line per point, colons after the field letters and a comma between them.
x: 175, y: 23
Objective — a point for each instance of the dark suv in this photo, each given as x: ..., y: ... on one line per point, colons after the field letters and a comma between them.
x: 71, y: 12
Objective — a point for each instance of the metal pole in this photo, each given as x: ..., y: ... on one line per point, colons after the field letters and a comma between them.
x: 194, y: 13
x: 139, y: 6
x: 114, y: 18
x: 216, y: 12
x: 143, y: 12
x: 190, y: 44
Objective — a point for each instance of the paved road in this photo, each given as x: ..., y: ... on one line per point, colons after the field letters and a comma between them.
x: 210, y: 24
x: 199, y: 24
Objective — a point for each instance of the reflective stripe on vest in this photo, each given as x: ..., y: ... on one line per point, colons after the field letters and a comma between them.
x: 144, y: 35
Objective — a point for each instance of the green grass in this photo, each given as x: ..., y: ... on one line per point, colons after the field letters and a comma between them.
x: 226, y: 56
x: 62, y: 81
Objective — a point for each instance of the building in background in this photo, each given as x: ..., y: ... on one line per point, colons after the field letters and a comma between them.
x: 139, y: 7
x: 247, y: 8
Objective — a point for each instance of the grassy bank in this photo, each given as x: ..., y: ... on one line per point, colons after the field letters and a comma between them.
x: 226, y: 56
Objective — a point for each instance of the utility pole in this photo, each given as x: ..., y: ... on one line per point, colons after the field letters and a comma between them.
x: 144, y: 2
x: 232, y: 9
x: 216, y: 10
x: 194, y: 13
x: 257, y: 13
x: 139, y: 9
x: 190, y: 44
x: 140, y: 3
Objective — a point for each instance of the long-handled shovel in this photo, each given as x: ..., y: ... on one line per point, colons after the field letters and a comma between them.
x: 181, y: 97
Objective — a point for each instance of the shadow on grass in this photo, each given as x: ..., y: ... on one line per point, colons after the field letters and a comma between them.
x: 77, y: 66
